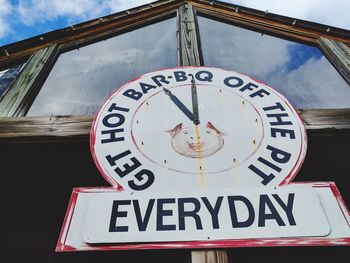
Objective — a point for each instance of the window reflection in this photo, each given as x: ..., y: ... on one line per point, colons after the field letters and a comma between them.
x: 82, y: 79
x: 7, y: 77
x: 300, y: 72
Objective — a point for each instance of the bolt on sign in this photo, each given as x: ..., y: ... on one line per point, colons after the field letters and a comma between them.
x: 169, y: 140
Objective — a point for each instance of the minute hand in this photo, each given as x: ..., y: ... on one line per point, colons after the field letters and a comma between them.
x: 179, y: 104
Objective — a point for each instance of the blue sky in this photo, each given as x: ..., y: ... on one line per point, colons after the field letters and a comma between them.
x: 21, y: 19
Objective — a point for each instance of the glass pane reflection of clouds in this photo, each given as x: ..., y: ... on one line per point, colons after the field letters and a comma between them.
x: 82, y: 79
x: 300, y: 72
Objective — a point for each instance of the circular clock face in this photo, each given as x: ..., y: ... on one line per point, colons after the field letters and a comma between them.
x: 197, y: 128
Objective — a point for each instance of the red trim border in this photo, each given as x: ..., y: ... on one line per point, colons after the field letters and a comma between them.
x: 276, y: 242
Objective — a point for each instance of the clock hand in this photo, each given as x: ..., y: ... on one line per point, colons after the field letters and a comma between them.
x: 194, y: 101
x: 179, y: 104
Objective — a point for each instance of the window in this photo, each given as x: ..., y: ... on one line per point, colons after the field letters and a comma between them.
x: 300, y: 72
x: 82, y: 79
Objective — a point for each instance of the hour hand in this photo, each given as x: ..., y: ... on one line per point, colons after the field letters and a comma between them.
x: 179, y: 104
x: 194, y: 101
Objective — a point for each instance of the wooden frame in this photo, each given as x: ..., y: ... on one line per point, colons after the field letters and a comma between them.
x: 332, y: 46
x: 332, y: 41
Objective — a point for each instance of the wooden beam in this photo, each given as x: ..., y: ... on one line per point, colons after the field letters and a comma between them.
x: 330, y: 117
x: 56, y: 128
x: 15, y: 98
x: 212, y: 256
x: 338, y: 53
x: 326, y: 122
x: 188, y: 37
x: 66, y: 128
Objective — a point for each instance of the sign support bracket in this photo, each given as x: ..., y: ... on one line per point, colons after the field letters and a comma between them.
x: 213, y: 256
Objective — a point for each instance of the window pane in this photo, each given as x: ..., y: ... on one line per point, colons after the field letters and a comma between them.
x: 7, y: 77
x: 300, y: 72
x: 82, y: 79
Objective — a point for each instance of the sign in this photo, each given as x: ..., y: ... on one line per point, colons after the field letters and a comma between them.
x: 295, y: 215
x: 165, y: 137
x: 197, y: 128
x: 181, y: 216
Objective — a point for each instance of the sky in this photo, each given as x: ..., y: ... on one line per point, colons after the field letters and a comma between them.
x: 21, y: 19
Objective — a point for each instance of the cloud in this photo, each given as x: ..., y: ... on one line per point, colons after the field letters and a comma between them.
x: 333, y: 13
x: 119, y: 5
x: 40, y: 11
x: 31, y: 12
x: 5, y: 11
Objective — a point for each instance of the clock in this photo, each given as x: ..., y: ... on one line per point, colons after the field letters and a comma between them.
x: 197, y: 128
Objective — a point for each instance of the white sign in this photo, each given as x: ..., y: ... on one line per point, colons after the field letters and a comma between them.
x: 178, y: 216
x: 197, y: 128
x: 295, y: 215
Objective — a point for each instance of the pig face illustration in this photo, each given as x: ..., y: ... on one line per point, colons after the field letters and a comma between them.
x: 193, y: 144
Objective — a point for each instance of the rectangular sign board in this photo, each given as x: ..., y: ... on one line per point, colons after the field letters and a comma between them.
x: 298, y: 214
x: 176, y: 216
